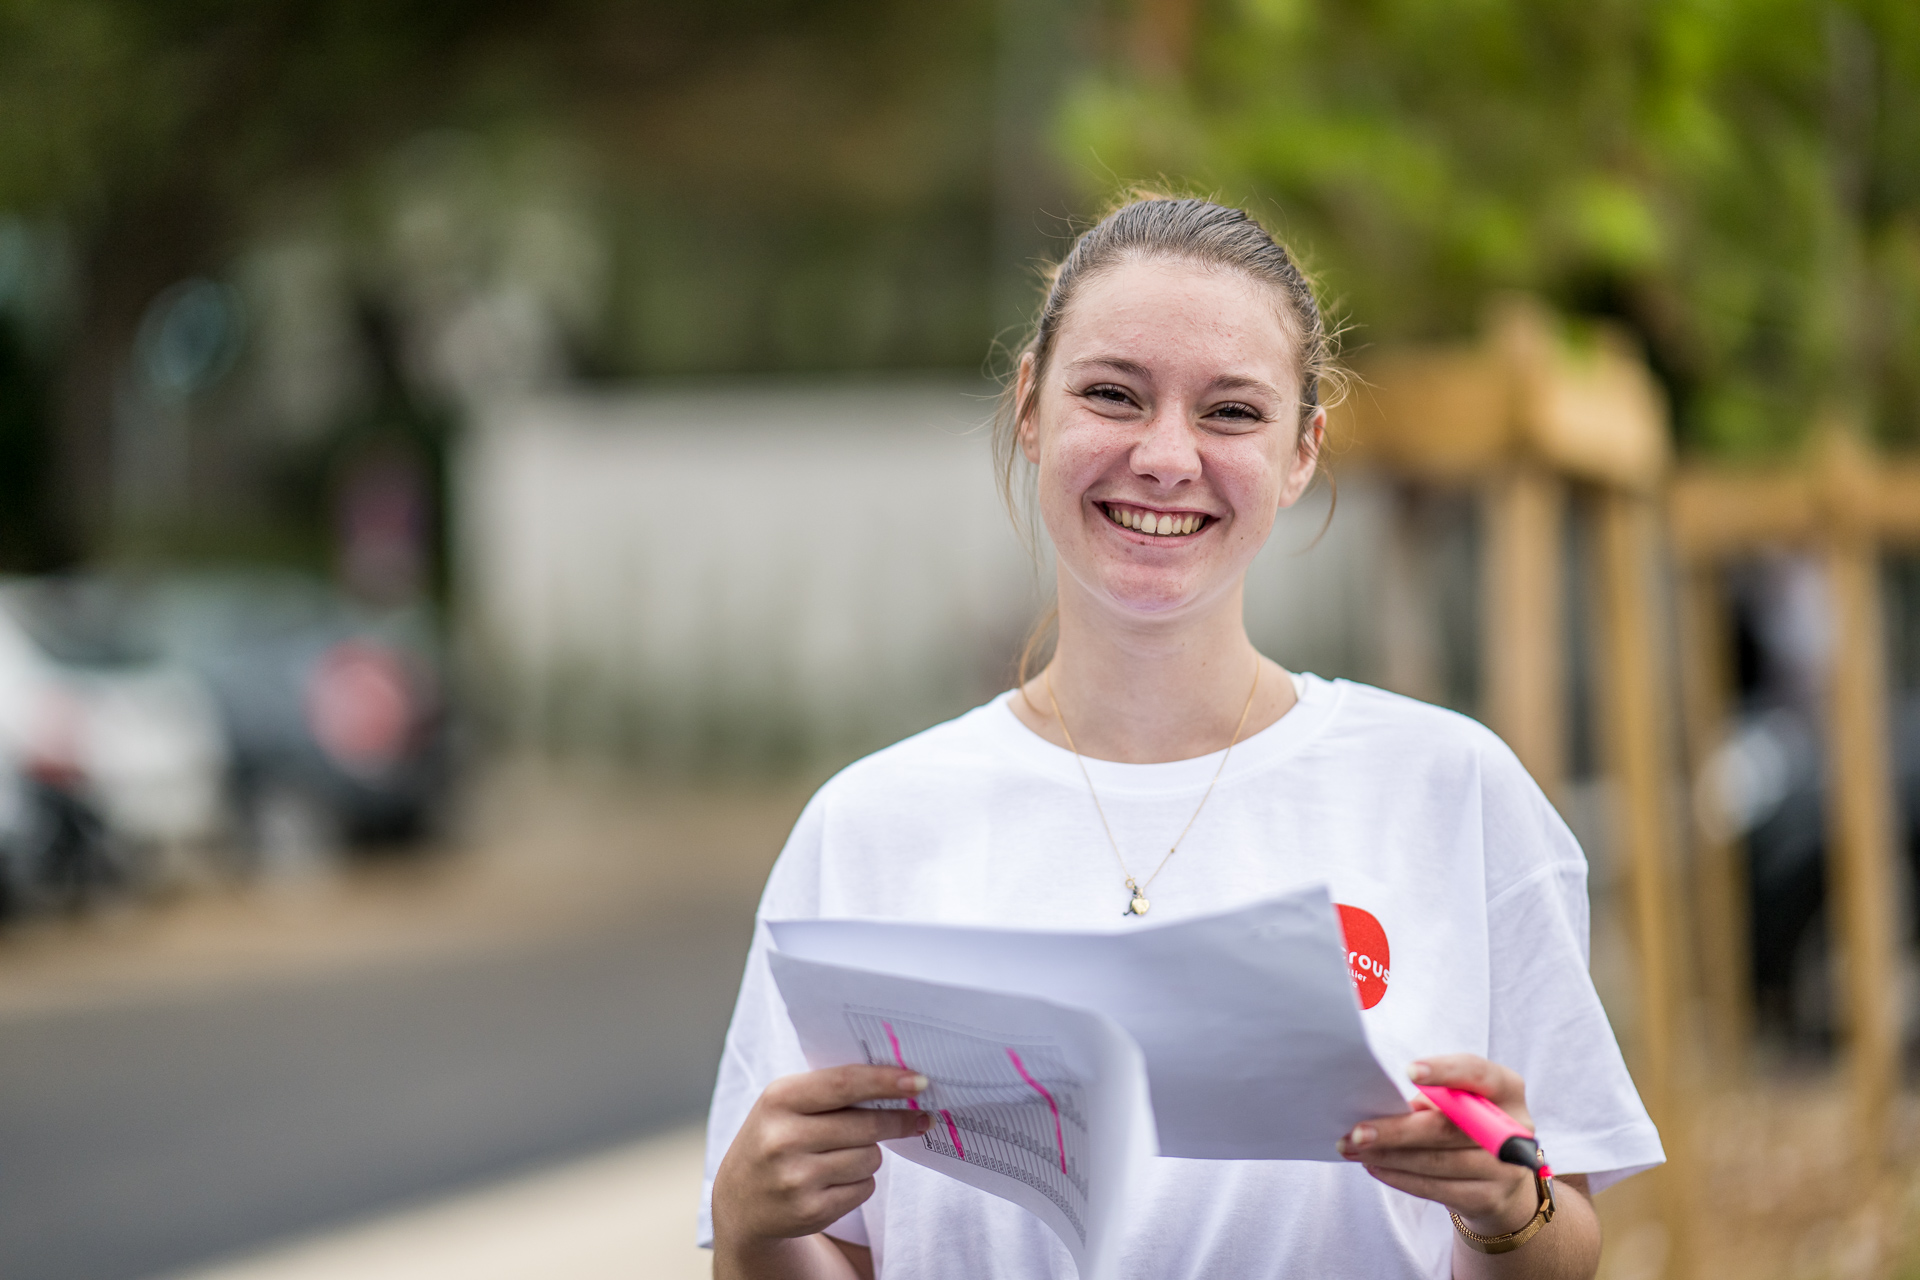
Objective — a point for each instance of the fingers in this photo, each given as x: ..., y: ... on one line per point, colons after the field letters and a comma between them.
x: 1424, y: 1143
x: 793, y: 1170
x: 835, y: 1088
x: 1425, y: 1154
x: 1424, y: 1128
x: 1451, y: 1164
x: 844, y: 1167
x: 1429, y: 1158
x: 786, y: 1135
x: 1470, y: 1198
x: 794, y: 1205
x: 862, y: 1128
x: 1474, y: 1074
x: 835, y: 1203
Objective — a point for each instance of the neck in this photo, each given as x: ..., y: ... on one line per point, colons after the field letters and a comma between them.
x: 1153, y: 690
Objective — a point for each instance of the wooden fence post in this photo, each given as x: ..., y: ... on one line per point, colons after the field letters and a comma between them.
x: 1720, y: 899
x: 1637, y: 738
x: 1860, y: 841
x: 1411, y: 647
x: 1523, y: 676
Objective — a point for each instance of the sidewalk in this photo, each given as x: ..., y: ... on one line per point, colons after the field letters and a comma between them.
x: 627, y: 1214
x: 210, y: 1084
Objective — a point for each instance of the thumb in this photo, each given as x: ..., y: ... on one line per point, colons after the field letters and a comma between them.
x: 1474, y: 1074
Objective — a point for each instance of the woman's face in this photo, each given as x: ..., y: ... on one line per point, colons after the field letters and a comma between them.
x: 1166, y: 435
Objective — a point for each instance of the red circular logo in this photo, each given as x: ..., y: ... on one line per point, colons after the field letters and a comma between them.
x: 1367, y: 958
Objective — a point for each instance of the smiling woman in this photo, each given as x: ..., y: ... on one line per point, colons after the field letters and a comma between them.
x: 1165, y: 410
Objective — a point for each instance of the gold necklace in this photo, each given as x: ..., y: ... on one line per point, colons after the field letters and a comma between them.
x: 1137, y: 903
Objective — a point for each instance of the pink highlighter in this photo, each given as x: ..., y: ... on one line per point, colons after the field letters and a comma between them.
x: 1489, y: 1126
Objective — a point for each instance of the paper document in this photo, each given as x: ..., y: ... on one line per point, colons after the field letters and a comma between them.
x: 1033, y: 1102
x: 1247, y: 1020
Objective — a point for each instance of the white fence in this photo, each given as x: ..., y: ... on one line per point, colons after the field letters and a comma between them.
x: 767, y: 572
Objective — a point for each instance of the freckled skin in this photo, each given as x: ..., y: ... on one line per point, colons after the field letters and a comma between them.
x: 1176, y: 389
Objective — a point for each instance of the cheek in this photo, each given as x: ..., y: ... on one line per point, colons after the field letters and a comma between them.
x: 1253, y: 483
x: 1073, y: 458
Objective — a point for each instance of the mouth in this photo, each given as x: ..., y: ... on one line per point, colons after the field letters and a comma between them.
x: 1156, y: 524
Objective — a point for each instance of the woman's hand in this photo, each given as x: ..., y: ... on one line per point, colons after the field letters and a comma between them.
x: 1426, y: 1155
x: 804, y: 1158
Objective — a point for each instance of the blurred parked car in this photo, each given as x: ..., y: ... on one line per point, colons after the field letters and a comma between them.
x: 108, y: 751
x: 337, y: 724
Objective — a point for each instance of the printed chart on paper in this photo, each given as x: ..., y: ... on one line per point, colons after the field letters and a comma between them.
x: 1015, y: 1108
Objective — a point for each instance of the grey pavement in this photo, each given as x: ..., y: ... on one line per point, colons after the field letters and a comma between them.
x: 142, y: 1136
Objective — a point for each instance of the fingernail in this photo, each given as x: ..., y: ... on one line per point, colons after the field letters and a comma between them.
x: 1362, y: 1134
x: 1419, y: 1071
x: 914, y: 1083
x: 926, y: 1123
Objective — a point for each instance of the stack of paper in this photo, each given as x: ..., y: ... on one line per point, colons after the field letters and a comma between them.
x: 1060, y: 1061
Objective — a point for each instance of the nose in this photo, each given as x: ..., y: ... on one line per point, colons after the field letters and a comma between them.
x: 1167, y: 452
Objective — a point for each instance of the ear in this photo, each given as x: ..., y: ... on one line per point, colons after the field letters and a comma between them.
x: 1306, y: 456
x: 1029, y: 430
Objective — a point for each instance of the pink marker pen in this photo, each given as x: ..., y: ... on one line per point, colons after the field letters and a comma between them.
x: 1489, y: 1126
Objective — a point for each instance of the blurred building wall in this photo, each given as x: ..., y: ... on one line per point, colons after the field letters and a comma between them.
x: 794, y: 572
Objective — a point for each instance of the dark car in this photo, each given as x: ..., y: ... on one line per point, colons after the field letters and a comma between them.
x: 338, y: 726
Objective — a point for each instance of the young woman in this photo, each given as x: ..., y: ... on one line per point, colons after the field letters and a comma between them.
x: 1168, y: 406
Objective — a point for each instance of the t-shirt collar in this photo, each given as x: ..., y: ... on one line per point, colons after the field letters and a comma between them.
x: 1272, y: 745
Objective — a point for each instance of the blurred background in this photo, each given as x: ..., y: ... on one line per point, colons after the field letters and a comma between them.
x: 469, y: 470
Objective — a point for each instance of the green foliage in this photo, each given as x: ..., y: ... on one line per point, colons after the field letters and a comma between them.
x: 823, y: 148
x: 1736, y: 179
x: 103, y: 100
x: 666, y: 189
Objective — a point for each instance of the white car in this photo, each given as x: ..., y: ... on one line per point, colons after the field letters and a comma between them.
x: 96, y: 730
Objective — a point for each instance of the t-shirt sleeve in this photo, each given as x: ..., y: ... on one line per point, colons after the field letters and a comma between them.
x: 761, y: 1045
x: 1546, y: 1021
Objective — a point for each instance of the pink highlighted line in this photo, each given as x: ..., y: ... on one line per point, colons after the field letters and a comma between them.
x: 953, y: 1132
x: 894, y: 1040
x: 1059, y: 1137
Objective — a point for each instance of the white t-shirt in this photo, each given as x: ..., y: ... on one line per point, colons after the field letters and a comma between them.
x: 1463, y: 896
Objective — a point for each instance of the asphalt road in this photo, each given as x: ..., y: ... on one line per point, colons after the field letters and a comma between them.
x: 150, y: 1135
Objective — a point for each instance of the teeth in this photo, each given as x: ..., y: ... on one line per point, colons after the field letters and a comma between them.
x: 1161, y: 526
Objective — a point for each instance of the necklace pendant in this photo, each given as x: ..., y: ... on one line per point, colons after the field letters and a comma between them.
x: 1139, y: 905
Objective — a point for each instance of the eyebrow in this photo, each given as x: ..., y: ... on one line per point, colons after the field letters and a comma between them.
x: 1115, y: 363
x: 1232, y: 382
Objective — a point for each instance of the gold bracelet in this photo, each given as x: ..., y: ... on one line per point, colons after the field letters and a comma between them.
x: 1513, y: 1239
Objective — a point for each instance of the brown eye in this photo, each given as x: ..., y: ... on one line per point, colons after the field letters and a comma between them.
x: 1237, y: 413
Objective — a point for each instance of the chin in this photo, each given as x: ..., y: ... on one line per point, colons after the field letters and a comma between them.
x: 1148, y: 596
